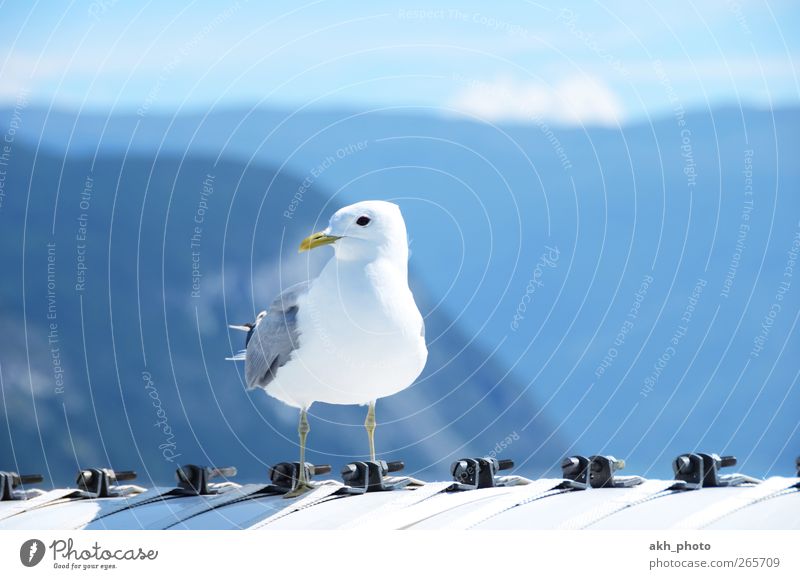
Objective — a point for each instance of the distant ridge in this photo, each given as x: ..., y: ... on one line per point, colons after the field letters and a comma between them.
x: 173, y: 398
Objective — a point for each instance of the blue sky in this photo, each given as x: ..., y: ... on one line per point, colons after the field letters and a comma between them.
x: 583, y: 62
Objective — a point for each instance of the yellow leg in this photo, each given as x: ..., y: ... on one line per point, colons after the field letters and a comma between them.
x: 370, y: 424
x: 302, y: 485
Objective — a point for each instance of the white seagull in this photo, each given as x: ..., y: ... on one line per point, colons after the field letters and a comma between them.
x: 350, y: 336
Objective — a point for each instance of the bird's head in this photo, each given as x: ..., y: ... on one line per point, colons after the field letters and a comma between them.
x: 364, y: 230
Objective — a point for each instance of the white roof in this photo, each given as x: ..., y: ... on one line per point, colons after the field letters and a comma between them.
x: 773, y: 504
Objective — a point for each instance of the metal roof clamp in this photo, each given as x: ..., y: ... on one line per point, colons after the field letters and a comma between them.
x: 689, y: 471
x: 575, y: 470
x: 100, y: 483
x: 284, y: 475
x: 481, y: 473
x: 602, y: 473
x: 701, y: 470
x: 596, y: 472
x: 194, y: 480
x: 11, y: 481
x: 371, y: 476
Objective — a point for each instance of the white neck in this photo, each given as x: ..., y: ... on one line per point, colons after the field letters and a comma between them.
x: 351, y: 249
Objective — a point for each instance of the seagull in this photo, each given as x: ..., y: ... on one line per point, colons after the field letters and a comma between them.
x: 352, y: 335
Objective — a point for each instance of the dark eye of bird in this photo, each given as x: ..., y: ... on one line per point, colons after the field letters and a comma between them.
x: 363, y: 221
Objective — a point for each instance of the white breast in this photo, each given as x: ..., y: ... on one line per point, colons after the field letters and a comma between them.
x: 360, y: 339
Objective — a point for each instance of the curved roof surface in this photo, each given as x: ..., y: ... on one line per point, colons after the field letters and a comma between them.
x: 523, y: 504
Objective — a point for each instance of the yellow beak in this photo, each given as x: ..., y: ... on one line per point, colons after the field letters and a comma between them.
x: 317, y: 239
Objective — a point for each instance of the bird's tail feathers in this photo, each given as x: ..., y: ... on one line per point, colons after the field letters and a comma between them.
x: 240, y: 327
x: 238, y: 357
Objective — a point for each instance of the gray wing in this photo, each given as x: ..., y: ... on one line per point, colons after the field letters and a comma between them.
x: 274, y: 339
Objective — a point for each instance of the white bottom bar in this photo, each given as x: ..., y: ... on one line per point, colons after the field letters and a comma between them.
x: 413, y: 553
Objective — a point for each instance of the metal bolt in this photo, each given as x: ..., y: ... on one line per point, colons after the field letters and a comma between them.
x: 282, y: 469
x: 27, y: 479
x: 225, y: 471
x: 123, y: 475
x: 85, y: 478
x: 395, y: 466
x: 683, y: 464
x: 569, y: 465
x: 505, y: 464
x: 182, y: 474
x: 727, y: 461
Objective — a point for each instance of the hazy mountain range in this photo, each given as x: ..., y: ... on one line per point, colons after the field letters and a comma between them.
x: 590, y: 290
x: 132, y: 371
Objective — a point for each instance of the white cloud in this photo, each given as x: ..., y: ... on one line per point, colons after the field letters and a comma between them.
x: 576, y: 100
x: 73, y: 74
x: 18, y: 75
